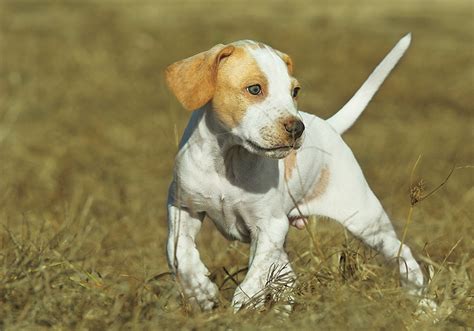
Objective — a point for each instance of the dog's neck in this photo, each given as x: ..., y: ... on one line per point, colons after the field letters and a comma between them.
x: 214, y: 142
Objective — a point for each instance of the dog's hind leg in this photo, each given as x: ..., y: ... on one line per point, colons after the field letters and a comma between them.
x: 349, y: 200
x: 184, y: 259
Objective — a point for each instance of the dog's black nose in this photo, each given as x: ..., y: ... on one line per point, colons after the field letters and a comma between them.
x: 295, y: 128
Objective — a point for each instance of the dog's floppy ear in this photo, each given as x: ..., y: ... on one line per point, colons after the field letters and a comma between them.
x: 193, y: 80
x: 288, y: 61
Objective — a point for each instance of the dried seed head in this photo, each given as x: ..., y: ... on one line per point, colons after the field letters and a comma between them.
x: 417, y: 191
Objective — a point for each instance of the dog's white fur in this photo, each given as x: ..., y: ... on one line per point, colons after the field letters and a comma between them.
x: 253, y: 193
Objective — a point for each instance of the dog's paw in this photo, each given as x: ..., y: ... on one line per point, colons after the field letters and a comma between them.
x: 272, y: 295
x: 264, y: 300
x: 243, y: 295
x: 427, y: 304
x: 427, y: 310
x: 200, y: 291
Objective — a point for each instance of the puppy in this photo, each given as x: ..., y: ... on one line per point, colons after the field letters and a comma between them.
x: 253, y: 164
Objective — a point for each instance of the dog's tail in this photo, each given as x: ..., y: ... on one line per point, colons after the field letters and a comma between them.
x: 347, y: 115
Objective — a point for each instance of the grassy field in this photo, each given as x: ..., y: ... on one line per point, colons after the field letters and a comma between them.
x: 88, y: 138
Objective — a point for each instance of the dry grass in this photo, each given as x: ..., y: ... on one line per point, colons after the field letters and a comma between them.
x: 87, y: 143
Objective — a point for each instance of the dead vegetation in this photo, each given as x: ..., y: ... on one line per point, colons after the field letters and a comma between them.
x: 87, y: 140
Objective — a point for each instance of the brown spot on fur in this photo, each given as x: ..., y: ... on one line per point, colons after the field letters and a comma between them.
x: 288, y: 61
x: 231, y: 99
x: 290, y: 164
x: 320, y: 187
x: 193, y: 80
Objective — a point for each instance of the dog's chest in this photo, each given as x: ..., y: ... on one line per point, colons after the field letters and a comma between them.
x: 227, y: 200
x: 207, y: 192
x: 220, y: 200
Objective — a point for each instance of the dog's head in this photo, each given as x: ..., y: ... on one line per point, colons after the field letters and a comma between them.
x: 251, y: 90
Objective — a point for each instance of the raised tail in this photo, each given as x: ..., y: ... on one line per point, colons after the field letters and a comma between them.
x: 347, y: 115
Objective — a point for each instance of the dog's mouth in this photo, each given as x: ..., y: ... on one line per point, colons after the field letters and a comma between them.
x: 268, y: 149
x: 274, y: 152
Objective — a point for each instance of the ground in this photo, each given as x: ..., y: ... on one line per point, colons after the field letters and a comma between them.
x: 88, y: 135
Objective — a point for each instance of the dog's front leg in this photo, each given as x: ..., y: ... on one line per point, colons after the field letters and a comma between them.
x: 269, y: 270
x: 184, y: 260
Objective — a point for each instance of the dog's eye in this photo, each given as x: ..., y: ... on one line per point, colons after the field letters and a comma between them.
x: 254, y: 89
x: 294, y: 94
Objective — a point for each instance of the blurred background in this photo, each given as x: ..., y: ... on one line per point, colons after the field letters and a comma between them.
x: 89, y: 131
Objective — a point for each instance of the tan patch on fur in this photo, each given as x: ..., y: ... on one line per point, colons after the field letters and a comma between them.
x: 290, y: 164
x: 288, y: 61
x: 231, y: 99
x: 320, y: 187
x: 193, y: 80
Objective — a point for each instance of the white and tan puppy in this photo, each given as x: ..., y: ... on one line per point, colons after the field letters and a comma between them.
x: 254, y: 164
